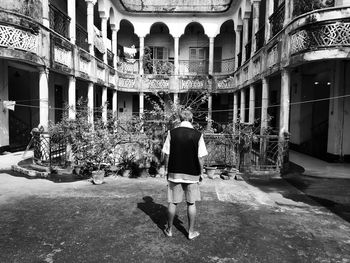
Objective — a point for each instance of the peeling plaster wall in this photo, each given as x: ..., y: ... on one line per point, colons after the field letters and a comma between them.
x: 31, y: 8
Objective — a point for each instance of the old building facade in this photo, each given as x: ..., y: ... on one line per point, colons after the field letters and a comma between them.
x: 286, y: 62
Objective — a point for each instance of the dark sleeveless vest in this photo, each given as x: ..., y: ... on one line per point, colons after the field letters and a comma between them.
x: 183, y: 157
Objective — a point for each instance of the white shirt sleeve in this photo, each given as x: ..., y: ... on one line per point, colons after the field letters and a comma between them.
x: 202, y: 149
x: 166, y: 146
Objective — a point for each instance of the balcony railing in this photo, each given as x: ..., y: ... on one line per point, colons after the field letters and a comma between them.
x: 239, y: 57
x: 59, y: 21
x: 260, y: 37
x: 320, y: 36
x: 82, y: 38
x: 224, y: 65
x: 304, y: 6
x: 277, y: 20
x: 159, y: 67
x: 110, y: 57
x: 248, y: 50
x: 130, y: 66
x: 193, y: 67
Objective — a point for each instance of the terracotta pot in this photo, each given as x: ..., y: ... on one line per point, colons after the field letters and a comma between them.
x: 98, y: 176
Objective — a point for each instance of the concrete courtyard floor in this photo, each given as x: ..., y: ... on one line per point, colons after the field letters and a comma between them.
x: 122, y: 220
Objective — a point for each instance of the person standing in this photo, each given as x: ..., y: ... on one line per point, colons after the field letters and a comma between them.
x: 184, y: 149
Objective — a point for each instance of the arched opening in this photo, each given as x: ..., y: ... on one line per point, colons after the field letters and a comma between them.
x: 224, y: 49
x: 81, y: 25
x: 194, y: 50
x: 159, y: 50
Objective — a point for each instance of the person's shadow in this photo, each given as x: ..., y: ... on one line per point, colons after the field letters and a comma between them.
x: 158, y: 214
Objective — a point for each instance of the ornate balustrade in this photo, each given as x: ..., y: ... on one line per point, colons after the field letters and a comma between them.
x: 277, y: 19
x: 260, y: 37
x: 59, y: 21
x: 18, y: 38
x: 130, y: 66
x: 224, y: 66
x: 194, y: 83
x: 193, y: 67
x: 82, y: 38
x: 320, y: 35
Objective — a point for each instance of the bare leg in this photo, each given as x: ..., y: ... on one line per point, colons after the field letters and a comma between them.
x: 191, y: 213
x: 171, y: 215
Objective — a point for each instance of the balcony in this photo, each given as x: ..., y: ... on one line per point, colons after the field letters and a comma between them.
x: 110, y: 57
x: 260, y: 37
x: 321, y: 35
x: 193, y: 67
x: 277, y: 20
x: 224, y: 66
x: 59, y: 21
x: 248, y: 50
x: 159, y: 67
x: 82, y: 38
x: 128, y: 66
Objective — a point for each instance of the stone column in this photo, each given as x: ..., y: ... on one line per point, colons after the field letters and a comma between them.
x: 285, y: 101
x: 176, y: 55
x: 104, y: 104
x: 269, y: 12
x: 238, y: 44
x: 211, y: 55
x: 71, y: 96
x: 142, y: 47
x: 114, y: 46
x: 264, y: 105
x: 256, y: 12
x: 242, y: 111
x: 115, y: 103
x: 104, y: 36
x: 141, y: 103
x: 91, y: 101
x: 44, y: 97
x: 90, y: 24
x: 251, y: 104
x: 235, y: 107
x: 176, y: 98
x: 46, y: 17
x: 245, y: 38
x: 72, y: 25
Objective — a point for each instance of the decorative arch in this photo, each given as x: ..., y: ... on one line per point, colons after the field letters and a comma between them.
x: 112, y: 17
x: 159, y: 27
x: 227, y: 26
x: 194, y: 28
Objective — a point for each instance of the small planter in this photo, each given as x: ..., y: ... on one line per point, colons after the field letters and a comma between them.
x: 98, y: 176
x: 210, y: 171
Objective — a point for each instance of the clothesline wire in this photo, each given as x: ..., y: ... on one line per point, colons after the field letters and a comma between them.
x: 213, y: 111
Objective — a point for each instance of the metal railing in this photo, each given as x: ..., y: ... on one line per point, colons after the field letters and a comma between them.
x: 260, y: 37
x: 248, y: 50
x: 59, y: 21
x: 193, y: 67
x: 159, y: 67
x: 110, y: 57
x: 277, y: 20
x: 49, y: 149
x: 224, y: 65
x: 82, y: 38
